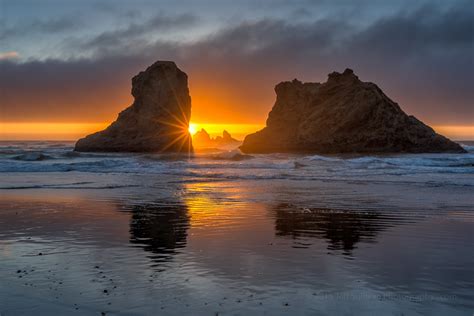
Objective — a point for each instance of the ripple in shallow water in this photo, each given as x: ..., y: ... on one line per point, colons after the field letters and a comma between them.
x: 274, y: 239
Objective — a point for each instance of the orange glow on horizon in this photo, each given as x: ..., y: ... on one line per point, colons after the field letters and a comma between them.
x: 456, y: 132
x: 48, y: 131
x: 74, y: 131
x: 238, y: 131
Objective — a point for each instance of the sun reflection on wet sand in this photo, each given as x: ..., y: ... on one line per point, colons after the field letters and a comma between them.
x: 214, y: 204
x: 5, y: 249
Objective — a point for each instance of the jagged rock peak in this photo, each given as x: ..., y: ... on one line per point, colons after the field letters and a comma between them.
x: 226, y: 136
x: 347, y: 75
x: 158, y: 119
x: 202, y: 139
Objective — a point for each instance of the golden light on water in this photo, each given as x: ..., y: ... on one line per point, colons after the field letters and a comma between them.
x: 207, y: 211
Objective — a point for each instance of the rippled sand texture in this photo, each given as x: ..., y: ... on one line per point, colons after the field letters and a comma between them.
x: 273, y: 234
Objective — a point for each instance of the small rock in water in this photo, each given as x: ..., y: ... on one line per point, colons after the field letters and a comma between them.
x: 31, y: 156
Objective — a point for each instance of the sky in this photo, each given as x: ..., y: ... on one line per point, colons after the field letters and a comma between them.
x: 66, y: 66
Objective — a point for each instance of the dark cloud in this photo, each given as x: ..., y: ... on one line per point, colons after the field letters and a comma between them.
x: 301, y: 13
x: 134, y: 37
x: 423, y: 59
x: 53, y: 25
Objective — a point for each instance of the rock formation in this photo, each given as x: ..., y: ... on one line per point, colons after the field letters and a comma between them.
x: 158, y: 119
x: 226, y: 139
x: 202, y: 139
x: 342, y: 115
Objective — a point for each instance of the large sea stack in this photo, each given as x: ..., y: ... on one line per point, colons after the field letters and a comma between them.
x: 158, y: 119
x: 342, y: 115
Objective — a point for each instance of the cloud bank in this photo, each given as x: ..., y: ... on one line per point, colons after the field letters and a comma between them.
x: 423, y: 59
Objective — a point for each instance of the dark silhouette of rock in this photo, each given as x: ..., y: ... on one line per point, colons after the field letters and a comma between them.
x: 226, y: 138
x: 158, y: 119
x: 342, y: 115
x: 342, y: 229
x: 202, y: 139
x: 160, y: 228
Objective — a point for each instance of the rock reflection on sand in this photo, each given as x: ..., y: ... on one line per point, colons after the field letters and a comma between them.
x: 160, y: 228
x: 195, y: 247
x: 342, y: 229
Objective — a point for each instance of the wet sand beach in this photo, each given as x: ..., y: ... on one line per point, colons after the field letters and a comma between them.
x: 121, y: 234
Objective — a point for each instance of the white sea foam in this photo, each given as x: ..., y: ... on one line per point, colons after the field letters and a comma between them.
x: 468, y: 148
x: 450, y: 169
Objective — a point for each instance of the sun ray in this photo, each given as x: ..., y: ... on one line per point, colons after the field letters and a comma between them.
x: 192, y: 129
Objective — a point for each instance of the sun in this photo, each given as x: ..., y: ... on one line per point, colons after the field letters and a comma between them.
x: 192, y: 129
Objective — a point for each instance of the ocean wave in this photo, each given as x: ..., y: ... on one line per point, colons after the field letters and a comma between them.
x: 75, y: 154
x: 32, y: 156
x: 234, y: 155
x: 323, y: 158
x: 103, y: 165
x: 468, y: 148
x: 419, y: 168
x: 67, y: 186
x: 40, y: 162
x: 464, y: 160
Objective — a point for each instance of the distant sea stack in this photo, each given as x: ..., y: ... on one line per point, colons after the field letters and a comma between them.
x: 202, y: 139
x: 158, y: 119
x: 342, y: 115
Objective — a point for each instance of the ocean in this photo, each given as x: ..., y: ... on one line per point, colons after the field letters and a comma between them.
x: 228, y: 234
